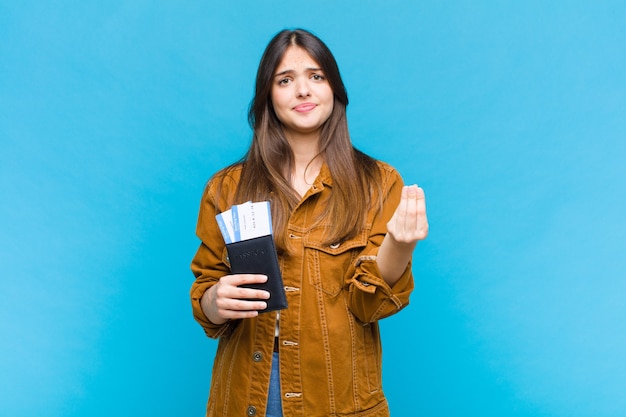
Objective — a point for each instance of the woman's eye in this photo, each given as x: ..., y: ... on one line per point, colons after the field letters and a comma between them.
x: 283, y: 81
x: 317, y: 77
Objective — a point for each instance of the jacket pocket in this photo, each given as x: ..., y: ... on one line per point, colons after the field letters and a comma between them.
x: 371, y: 365
x: 327, y: 265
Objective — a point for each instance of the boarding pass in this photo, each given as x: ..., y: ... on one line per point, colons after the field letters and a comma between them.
x: 245, y: 221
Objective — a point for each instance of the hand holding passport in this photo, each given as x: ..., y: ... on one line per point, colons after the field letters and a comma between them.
x: 247, y: 231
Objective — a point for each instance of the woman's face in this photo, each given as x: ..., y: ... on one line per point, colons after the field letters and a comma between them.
x: 301, y: 95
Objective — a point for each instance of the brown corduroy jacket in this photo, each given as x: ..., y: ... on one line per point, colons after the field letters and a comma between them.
x: 330, y: 350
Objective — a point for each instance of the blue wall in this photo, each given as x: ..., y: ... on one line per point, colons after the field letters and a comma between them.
x: 511, y: 115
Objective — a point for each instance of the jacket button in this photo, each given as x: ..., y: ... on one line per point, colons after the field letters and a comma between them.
x: 257, y: 356
x: 251, y: 411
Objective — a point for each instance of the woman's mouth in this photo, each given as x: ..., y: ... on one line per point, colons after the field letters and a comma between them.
x: 305, y: 107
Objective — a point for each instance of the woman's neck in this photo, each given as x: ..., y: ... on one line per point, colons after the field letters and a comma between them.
x: 307, y: 163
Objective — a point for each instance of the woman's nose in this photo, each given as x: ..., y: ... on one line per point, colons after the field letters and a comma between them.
x: 302, y: 89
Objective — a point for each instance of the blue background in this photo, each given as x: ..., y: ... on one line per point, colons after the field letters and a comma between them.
x: 511, y: 115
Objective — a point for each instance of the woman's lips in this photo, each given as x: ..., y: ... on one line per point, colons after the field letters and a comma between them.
x: 304, y: 107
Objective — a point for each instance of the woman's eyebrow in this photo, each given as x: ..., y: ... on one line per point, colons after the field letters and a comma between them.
x: 285, y: 72
x: 289, y: 71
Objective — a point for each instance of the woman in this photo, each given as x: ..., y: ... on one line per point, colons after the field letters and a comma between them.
x: 345, y: 228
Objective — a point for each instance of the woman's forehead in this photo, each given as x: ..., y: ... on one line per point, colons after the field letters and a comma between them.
x: 296, y: 58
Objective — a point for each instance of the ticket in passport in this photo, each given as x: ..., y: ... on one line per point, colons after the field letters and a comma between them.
x: 245, y: 221
x: 225, y: 223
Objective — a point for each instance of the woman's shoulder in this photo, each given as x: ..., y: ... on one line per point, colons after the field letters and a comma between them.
x: 228, y: 176
x: 385, y: 167
x: 388, y: 173
x: 391, y: 177
x: 369, y: 161
x: 221, y: 187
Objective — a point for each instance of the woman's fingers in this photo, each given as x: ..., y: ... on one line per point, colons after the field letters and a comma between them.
x: 421, y: 224
x: 227, y: 300
x: 233, y: 301
x: 232, y: 286
x: 409, y: 223
x: 410, y: 220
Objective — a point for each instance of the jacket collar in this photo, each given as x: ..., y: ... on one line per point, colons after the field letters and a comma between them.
x: 324, y: 176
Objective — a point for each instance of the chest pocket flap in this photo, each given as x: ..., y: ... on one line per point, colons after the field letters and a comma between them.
x: 326, y: 265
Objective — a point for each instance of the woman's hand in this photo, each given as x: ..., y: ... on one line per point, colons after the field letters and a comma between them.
x: 409, y: 223
x: 227, y: 300
x: 407, y: 226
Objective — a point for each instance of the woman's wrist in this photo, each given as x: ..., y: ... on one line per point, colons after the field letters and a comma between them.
x: 205, y: 304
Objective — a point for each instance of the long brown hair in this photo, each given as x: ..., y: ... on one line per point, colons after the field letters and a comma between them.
x: 355, y: 176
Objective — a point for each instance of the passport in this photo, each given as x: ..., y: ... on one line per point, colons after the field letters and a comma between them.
x: 258, y: 256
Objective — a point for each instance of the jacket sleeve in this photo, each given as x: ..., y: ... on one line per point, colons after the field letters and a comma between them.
x: 371, y: 298
x: 208, y: 265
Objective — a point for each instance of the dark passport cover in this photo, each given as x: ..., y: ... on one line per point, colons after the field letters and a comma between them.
x: 258, y: 256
